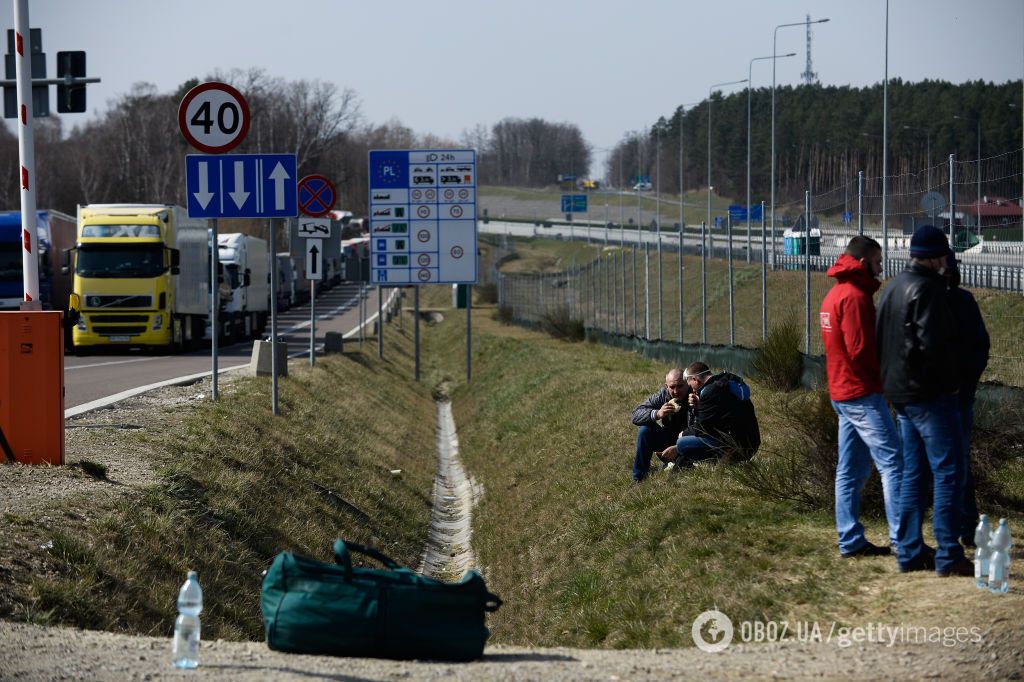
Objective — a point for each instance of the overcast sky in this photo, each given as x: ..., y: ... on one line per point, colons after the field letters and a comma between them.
x: 445, y: 66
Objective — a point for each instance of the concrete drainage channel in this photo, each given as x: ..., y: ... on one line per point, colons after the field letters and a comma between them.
x: 448, y: 553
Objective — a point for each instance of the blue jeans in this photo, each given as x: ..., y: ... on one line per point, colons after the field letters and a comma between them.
x: 867, y: 434
x: 649, y: 439
x: 969, y: 501
x: 696, y: 448
x: 932, y: 439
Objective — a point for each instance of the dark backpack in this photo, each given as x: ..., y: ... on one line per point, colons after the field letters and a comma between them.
x: 744, y: 430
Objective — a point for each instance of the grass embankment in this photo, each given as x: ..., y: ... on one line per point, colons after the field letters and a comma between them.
x: 580, y: 557
x: 238, y: 484
x: 521, y: 203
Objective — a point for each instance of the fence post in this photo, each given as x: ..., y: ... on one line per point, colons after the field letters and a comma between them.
x: 952, y: 197
x: 807, y: 272
x: 647, y: 291
x: 704, y: 282
x: 860, y: 203
x: 732, y: 308
x: 615, y: 293
x: 764, y: 278
x: 679, y: 274
x: 661, y: 290
x: 634, y: 290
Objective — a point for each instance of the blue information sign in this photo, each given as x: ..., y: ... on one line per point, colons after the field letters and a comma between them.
x: 423, y: 216
x: 241, y: 186
x: 574, y: 203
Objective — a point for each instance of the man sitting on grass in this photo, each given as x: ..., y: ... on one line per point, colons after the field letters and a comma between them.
x: 722, y: 421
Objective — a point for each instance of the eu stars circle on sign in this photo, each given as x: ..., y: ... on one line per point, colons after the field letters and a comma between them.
x: 316, y: 196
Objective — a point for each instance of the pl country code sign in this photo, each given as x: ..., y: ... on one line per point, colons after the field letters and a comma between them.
x: 423, y: 216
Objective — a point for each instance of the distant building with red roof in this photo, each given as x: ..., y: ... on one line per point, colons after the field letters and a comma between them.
x: 992, y: 211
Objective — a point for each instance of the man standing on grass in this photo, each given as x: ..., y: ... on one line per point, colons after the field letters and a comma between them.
x: 916, y: 336
x: 867, y: 432
x: 661, y: 418
x: 973, y: 345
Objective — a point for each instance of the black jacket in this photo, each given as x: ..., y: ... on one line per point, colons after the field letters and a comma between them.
x: 915, y: 335
x: 642, y: 413
x: 972, y: 341
x: 725, y: 413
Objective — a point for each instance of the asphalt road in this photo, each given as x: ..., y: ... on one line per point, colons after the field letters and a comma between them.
x: 96, y: 377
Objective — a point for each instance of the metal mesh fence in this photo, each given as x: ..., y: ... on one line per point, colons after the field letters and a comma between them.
x: 708, y: 286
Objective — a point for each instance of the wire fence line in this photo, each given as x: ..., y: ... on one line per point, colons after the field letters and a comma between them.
x: 715, y: 285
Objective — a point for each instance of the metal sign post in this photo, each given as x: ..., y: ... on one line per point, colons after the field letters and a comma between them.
x: 214, y: 309
x: 273, y: 316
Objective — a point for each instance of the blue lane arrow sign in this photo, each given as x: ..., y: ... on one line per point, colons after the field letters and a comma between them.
x: 241, y: 185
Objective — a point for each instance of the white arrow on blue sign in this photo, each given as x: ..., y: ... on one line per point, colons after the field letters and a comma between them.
x: 241, y: 186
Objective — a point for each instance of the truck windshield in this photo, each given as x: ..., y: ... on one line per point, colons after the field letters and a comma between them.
x: 120, y: 260
x: 10, y: 262
x: 232, y: 275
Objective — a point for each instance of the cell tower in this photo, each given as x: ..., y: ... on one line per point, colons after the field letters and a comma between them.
x: 809, y: 76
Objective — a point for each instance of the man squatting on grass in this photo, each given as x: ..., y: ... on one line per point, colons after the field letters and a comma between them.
x: 917, y: 340
x: 661, y: 418
x: 867, y: 432
x: 722, y: 420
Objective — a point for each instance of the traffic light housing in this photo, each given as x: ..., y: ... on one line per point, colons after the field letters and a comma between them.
x: 71, y: 98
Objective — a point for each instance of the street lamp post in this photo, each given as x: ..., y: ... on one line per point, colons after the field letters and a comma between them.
x: 750, y: 68
x: 775, y: 40
x: 710, y: 90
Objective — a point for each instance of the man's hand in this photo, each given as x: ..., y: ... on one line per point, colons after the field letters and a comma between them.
x: 667, y: 410
x: 667, y: 455
x: 693, y: 399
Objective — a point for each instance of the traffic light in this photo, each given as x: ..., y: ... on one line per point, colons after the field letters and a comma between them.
x: 71, y: 98
x: 40, y: 93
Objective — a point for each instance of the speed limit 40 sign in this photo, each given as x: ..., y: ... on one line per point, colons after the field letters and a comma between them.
x: 213, y: 117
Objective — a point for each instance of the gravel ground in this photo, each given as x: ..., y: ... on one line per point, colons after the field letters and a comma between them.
x: 35, y: 653
x: 52, y: 497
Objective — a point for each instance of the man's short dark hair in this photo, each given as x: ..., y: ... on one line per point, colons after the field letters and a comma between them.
x: 696, y: 368
x: 862, y: 247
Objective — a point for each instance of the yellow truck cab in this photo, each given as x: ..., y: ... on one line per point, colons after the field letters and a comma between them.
x: 143, y: 272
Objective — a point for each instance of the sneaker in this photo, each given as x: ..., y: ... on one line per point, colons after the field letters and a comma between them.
x: 868, y: 549
x: 961, y: 567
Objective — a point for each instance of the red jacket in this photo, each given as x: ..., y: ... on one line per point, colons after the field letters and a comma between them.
x: 848, y: 331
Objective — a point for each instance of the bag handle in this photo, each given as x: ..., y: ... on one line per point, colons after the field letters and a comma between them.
x: 492, y: 602
x: 342, y: 557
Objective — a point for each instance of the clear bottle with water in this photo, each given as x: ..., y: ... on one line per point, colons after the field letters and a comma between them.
x: 999, y: 562
x: 982, y: 553
x: 185, y: 650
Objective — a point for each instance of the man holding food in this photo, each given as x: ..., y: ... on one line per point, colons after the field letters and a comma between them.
x: 661, y: 418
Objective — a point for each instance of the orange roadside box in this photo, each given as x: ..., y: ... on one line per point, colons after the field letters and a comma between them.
x: 32, y: 386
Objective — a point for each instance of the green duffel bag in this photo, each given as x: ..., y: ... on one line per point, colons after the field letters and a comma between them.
x: 311, y: 607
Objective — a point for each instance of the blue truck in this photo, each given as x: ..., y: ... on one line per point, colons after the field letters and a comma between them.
x: 56, y: 233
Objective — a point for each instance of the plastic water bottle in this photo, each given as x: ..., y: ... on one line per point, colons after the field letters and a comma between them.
x: 185, y: 651
x: 982, y: 553
x: 999, y: 562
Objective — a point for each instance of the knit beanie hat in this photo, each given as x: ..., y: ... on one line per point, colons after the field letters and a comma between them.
x: 928, y: 242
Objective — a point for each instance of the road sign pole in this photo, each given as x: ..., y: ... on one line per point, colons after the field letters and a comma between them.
x: 416, y: 330
x: 273, y: 316
x: 469, y: 332
x: 214, y: 305
x: 380, y: 324
x: 312, y: 323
